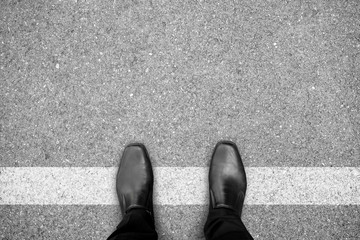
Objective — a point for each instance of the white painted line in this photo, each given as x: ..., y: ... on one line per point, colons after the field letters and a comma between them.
x: 179, y: 186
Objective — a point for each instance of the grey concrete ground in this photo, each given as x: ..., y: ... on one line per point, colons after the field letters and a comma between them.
x: 181, y: 222
x: 80, y: 79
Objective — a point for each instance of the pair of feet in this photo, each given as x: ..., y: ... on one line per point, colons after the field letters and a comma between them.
x: 227, y: 179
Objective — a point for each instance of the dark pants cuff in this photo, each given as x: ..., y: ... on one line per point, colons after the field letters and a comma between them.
x: 137, y: 224
x: 225, y: 224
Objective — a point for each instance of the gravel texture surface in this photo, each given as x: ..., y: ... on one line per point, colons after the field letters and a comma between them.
x: 180, y: 222
x: 81, y: 79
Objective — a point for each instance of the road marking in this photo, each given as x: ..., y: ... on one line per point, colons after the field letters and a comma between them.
x: 179, y: 185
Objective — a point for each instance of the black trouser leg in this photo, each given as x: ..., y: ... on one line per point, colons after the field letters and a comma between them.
x: 137, y: 224
x: 225, y: 224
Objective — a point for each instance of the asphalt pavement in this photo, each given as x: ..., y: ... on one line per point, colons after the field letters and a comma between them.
x: 79, y: 80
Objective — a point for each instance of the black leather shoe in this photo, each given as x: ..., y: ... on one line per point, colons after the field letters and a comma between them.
x: 134, y: 180
x: 227, y: 179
